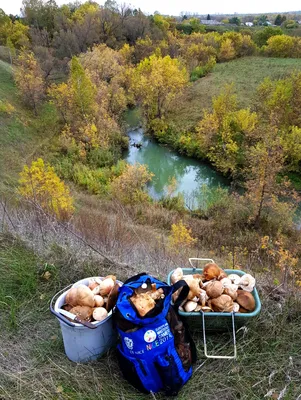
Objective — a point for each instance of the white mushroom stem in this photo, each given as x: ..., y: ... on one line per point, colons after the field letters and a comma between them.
x: 236, y: 307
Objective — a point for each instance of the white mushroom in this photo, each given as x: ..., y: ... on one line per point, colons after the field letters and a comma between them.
x: 226, y: 282
x: 236, y: 307
x: 190, y: 306
x: 176, y: 276
x: 247, y: 282
x: 234, y: 278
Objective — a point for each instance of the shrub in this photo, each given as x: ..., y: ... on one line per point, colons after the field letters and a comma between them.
x: 40, y: 184
x: 180, y: 236
x: 129, y: 187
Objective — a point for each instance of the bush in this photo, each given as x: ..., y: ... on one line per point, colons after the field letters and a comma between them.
x: 283, y: 46
x: 262, y: 36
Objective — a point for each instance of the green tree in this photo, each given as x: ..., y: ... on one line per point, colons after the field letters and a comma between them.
x: 234, y: 21
x: 208, y: 17
x: 279, y: 19
x: 262, y: 36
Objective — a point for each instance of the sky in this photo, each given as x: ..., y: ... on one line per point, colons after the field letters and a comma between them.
x: 175, y: 7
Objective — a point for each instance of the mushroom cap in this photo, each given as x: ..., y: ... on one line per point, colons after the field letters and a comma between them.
x: 80, y: 296
x: 232, y: 292
x: 214, y: 289
x: 223, y: 303
x: 143, y: 303
x: 246, y: 300
x: 106, y: 286
x: 211, y: 271
x: 100, y: 313
x: 98, y: 301
x: 190, y: 306
x: 82, y: 312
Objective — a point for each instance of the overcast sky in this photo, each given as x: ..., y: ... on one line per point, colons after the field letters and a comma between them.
x: 175, y: 7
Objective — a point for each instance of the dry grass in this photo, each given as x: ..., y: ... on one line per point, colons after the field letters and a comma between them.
x: 32, y: 360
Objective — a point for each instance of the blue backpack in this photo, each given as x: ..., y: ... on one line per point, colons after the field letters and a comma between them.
x: 156, y: 351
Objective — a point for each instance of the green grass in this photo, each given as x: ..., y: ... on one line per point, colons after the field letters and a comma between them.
x: 246, y: 74
x: 33, y: 363
x: 22, y: 135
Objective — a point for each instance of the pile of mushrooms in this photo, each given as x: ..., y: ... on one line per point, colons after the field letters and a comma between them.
x: 145, y: 297
x: 95, y: 301
x: 215, y: 291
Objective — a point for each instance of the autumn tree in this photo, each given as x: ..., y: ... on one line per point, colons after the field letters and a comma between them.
x: 223, y: 134
x: 40, y: 185
x: 180, y: 237
x: 264, y: 186
x: 29, y: 80
x: 85, y: 110
x: 130, y: 186
x: 156, y: 81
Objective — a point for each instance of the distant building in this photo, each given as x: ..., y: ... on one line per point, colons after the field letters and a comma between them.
x: 210, y: 22
x: 249, y: 23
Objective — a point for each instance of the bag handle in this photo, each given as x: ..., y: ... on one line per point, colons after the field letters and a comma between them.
x: 134, y: 278
x: 182, y: 296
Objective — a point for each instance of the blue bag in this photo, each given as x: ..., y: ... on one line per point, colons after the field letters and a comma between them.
x: 156, y: 351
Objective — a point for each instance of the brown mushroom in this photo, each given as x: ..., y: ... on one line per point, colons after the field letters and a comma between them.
x: 223, y: 303
x: 230, y: 291
x: 246, y: 300
x: 143, y: 303
x: 214, y: 289
x: 80, y: 296
x: 82, y: 312
x: 213, y: 271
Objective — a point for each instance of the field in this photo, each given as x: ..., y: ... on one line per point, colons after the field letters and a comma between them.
x: 33, y: 365
x: 245, y: 73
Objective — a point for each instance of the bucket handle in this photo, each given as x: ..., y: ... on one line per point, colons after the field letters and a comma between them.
x: 199, y: 259
x: 234, y: 340
x: 58, y: 315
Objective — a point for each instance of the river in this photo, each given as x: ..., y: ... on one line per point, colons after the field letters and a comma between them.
x: 191, y: 175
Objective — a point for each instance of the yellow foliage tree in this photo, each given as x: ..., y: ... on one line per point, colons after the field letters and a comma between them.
x: 156, y: 81
x: 129, y: 187
x: 40, y: 184
x: 28, y: 77
x: 227, y: 50
x: 180, y: 237
x: 221, y: 134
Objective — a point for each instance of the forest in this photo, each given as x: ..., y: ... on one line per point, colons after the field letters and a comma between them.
x: 70, y: 77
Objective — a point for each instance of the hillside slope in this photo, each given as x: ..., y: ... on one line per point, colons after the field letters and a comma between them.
x: 245, y: 73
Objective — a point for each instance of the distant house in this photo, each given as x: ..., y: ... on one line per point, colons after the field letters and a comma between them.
x: 249, y: 23
x: 210, y: 22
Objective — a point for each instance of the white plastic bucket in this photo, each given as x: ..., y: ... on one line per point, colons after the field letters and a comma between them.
x: 83, y: 344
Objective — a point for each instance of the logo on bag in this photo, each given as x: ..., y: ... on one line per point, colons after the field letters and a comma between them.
x: 150, y: 336
x: 129, y: 343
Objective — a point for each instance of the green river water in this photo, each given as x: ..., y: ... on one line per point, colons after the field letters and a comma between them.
x: 164, y: 163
